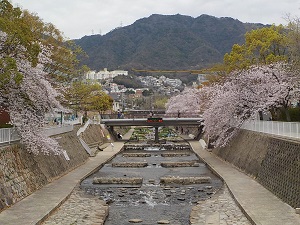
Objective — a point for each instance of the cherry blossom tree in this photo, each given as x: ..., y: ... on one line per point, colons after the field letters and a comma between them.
x: 34, y: 58
x: 27, y: 95
x: 186, y: 102
x: 245, y: 93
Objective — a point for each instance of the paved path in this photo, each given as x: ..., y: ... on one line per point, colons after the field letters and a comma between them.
x: 220, y: 209
x: 260, y: 205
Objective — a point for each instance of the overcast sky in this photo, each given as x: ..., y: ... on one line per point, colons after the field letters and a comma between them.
x: 77, y: 18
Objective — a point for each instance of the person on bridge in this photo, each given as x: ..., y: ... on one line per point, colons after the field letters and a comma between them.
x: 150, y: 114
x: 178, y: 114
x: 119, y: 114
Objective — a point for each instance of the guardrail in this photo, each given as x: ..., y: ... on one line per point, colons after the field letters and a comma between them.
x: 287, y: 129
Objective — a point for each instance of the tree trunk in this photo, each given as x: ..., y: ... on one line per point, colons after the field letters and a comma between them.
x: 287, y: 114
x: 261, y: 115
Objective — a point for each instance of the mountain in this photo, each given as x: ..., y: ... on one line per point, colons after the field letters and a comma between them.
x: 165, y: 42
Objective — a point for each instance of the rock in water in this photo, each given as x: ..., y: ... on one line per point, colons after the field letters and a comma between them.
x: 163, y: 222
x: 135, y: 221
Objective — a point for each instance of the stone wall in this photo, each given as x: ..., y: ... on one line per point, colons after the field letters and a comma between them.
x: 22, y: 173
x: 272, y: 161
x: 280, y: 170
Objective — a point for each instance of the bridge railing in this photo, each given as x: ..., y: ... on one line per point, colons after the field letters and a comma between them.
x: 181, y: 115
x: 146, y: 115
x: 287, y: 129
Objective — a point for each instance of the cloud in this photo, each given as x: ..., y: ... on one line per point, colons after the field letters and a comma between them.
x: 77, y: 18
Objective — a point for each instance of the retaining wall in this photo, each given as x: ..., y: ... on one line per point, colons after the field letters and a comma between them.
x: 22, y: 173
x: 94, y: 134
x: 272, y: 161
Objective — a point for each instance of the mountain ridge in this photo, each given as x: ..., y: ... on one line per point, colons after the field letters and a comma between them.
x: 165, y: 42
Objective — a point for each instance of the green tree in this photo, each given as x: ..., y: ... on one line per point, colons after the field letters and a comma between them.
x: 128, y: 81
x: 129, y: 92
x: 147, y: 92
x: 13, y: 23
x: 17, y: 33
x: 262, y: 46
x: 26, y: 29
x: 293, y: 28
x: 27, y: 53
x: 160, y: 102
x: 65, y: 63
x: 82, y: 96
x: 100, y: 102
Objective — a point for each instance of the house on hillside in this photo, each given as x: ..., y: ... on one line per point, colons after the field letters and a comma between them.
x: 117, y: 101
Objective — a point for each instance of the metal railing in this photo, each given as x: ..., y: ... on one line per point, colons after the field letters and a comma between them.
x: 146, y: 115
x: 82, y: 129
x: 85, y: 146
x: 8, y: 135
x: 287, y: 129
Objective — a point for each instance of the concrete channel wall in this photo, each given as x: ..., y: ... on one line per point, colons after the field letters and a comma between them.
x: 273, y: 161
x: 22, y: 173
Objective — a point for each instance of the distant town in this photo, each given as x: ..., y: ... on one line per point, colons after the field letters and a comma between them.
x: 137, y: 98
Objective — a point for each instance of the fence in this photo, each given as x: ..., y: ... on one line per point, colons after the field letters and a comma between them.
x: 287, y: 129
x: 8, y: 135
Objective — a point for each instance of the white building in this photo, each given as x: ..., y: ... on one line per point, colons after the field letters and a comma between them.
x: 173, y: 82
x: 116, y: 106
x: 201, y: 78
x: 105, y: 74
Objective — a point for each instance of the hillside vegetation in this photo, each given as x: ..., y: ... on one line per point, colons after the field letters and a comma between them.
x: 165, y: 42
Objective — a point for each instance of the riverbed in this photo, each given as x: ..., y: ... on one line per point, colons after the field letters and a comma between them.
x: 152, y: 200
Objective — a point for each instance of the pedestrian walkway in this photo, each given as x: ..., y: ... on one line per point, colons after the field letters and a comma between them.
x: 260, y: 205
x: 38, y: 206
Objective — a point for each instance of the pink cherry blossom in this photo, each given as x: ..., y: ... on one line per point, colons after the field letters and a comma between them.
x: 187, y: 102
x: 243, y: 95
x: 28, y: 95
x: 226, y: 105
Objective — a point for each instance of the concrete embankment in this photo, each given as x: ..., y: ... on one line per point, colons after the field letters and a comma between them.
x: 272, y: 161
x: 22, y: 173
x: 256, y: 168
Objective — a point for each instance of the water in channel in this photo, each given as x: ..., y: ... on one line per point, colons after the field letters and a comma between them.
x: 151, y: 200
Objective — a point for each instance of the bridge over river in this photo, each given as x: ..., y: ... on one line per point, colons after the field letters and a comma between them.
x: 155, y: 122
